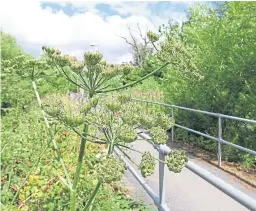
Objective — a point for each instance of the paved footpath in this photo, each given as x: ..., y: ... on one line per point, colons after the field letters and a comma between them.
x: 184, y: 191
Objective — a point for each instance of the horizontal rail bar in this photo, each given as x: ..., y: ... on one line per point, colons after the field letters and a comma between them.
x: 196, y: 110
x: 199, y: 111
x: 237, y: 195
x: 197, y: 132
x: 216, y: 139
x: 239, y: 147
x: 151, y: 102
x: 238, y: 118
x: 174, y: 106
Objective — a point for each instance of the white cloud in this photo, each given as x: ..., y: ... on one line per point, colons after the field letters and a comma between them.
x: 34, y: 27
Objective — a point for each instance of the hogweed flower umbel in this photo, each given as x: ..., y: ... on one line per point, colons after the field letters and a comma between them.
x: 159, y: 135
x: 176, y: 161
x: 147, y: 165
x: 64, y: 109
x: 164, y: 121
x: 110, y: 169
x: 153, y: 37
x: 127, y: 134
x: 92, y: 58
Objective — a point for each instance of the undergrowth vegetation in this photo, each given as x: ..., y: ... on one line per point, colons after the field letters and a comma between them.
x: 25, y: 143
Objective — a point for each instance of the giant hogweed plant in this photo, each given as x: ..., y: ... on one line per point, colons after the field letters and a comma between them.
x: 114, y: 121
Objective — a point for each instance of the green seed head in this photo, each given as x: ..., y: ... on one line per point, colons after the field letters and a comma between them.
x: 127, y: 134
x: 127, y: 69
x: 110, y: 71
x: 164, y: 121
x: 159, y: 135
x: 92, y: 58
x: 147, y: 165
x: 176, y: 161
x: 94, y: 101
x: 146, y: 121
x: 110, y: 169
x: 114, y: 106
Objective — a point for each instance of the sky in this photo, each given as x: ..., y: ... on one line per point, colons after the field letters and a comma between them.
x: 73, y: 26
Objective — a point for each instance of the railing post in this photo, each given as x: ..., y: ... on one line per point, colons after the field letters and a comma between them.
x: 162, y: 202
x: 173, y: 125
x: 219, y: 141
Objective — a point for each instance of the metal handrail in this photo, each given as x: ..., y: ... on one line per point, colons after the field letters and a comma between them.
x: 198, y: 111
x: 218, y: 115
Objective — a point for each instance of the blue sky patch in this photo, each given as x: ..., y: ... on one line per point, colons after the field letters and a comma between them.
x: 107, y: 10
x: 155, y: 8
x: 67, y: 9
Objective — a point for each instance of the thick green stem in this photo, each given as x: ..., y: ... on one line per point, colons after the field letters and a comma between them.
x: 84, y: 80
x: 73, y: 200
x: 91, y: 200
x: 78, y: 169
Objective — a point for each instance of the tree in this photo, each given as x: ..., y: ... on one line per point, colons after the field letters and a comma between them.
x: 11, y: 84
x: 221, y: 42
x: 9, y: 47
x: 140, y: 45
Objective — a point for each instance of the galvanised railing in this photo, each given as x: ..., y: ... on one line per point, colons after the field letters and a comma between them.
x: 163, y: 150
x: 218, y: 139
